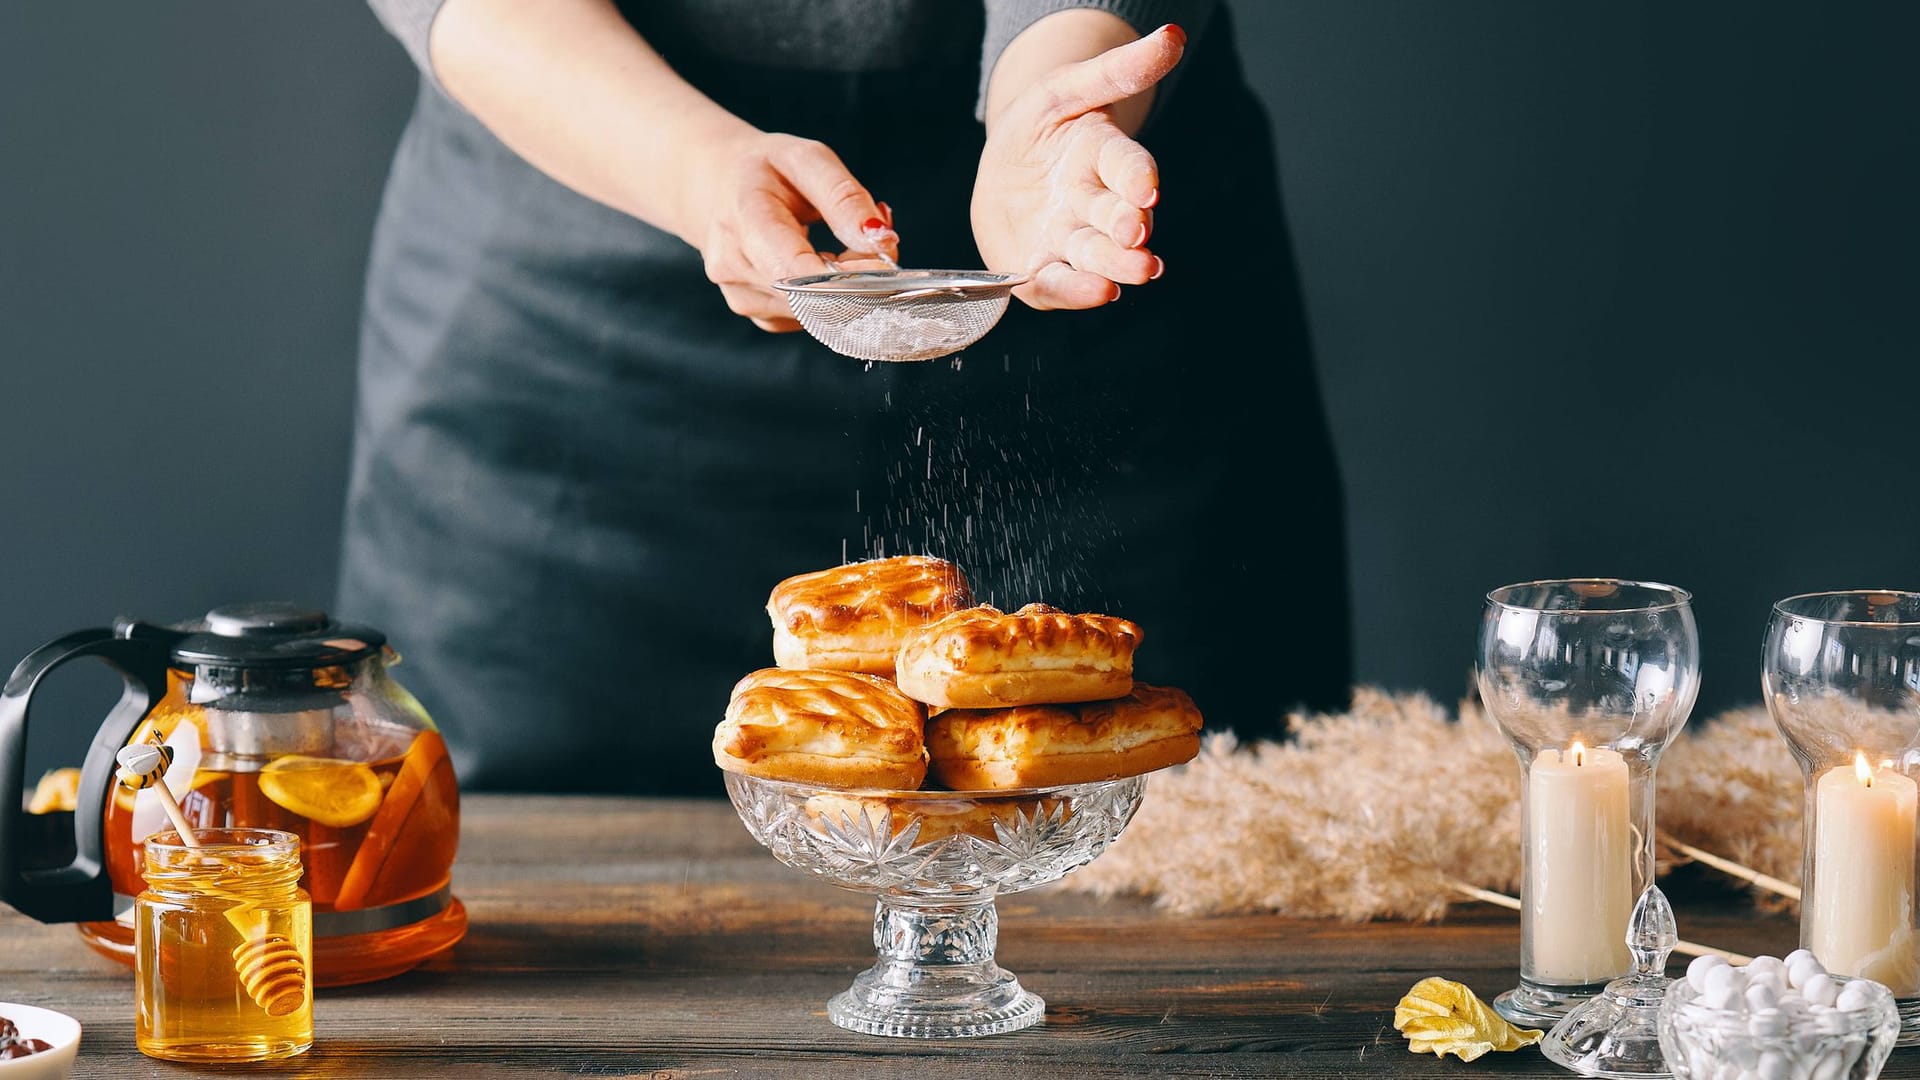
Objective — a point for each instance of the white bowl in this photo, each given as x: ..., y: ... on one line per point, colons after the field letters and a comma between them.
x: 57, y: 1028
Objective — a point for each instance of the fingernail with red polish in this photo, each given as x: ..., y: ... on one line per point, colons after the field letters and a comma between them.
x: 1159, y: 267
x: 886, y: 212
x: 1175, y: 34
x: 874, y: 224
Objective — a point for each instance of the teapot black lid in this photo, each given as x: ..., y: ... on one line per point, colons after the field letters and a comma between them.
x: 266, y: 634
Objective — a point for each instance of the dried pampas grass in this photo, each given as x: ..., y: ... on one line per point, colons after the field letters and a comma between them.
x: 1731, y: 793
x: 1373, y: 813
x: 1394, y: 809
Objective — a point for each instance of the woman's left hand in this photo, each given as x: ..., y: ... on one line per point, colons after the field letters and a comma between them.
x: 1062, y: 192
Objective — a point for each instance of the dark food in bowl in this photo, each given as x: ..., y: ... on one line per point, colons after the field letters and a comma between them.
x: 13, y: 1046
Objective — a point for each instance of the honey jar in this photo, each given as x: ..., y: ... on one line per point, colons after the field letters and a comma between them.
x: 223, y: 948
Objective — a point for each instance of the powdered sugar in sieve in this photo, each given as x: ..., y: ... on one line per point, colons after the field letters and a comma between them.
x: 899, y: 314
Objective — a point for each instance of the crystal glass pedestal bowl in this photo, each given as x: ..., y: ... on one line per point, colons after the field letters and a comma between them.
x: 1702, y: 1043
x: 936, y: 860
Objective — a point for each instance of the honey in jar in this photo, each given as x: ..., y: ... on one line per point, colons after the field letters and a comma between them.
x: 223, y: 947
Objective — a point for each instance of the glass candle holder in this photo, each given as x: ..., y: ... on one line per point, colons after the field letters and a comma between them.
x: 1842, y: 680
x: 1589, y: 679
x: 223, y: 948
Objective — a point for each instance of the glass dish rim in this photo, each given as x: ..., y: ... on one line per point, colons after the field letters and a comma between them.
x: 1896, y: 624
x: 1858, y: 1018
x: 1680, y: 597
x: 795, y: 787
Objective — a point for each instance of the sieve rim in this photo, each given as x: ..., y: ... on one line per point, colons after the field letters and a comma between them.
x: 880, y: 284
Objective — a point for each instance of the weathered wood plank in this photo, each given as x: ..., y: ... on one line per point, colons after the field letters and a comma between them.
x: 630, y: 938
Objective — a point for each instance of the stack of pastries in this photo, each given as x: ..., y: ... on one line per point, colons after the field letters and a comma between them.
x: 888, y: 674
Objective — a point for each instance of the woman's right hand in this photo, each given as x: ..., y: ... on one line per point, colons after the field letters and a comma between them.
x: 751, y: 212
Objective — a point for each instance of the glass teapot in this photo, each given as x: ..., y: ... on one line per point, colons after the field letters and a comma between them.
x: 279, y: 717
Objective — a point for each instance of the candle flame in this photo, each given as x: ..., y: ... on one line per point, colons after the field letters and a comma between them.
x: 1579, y: 752
x: 1861, y: 769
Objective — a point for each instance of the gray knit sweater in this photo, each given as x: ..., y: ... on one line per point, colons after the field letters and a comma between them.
x: 835, y: 35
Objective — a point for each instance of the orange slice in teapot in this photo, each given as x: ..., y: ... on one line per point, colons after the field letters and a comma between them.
x: 326, y: 790
x: 58, y: 790
x: 418, y: 825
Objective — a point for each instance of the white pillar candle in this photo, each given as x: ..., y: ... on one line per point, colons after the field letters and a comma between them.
x: 1580, y: 854
x: 1860, y: 918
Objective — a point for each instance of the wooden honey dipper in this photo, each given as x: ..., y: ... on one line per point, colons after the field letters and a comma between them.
x: 270, y: 967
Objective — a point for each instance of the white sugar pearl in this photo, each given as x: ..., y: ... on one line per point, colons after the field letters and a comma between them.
x: 1798, y: 955
x: 1799, y: 971
x: 1727, y: 997
x: 1821, y: 989
x: 1830, y: 1021
x: 1720, y: 979
x: 1762, y: 995
x: 1697, y: 971
x: 1774, y: 1066
x: 1766, y: 965
x: 1829, y: 1067
x: 1852, y: 996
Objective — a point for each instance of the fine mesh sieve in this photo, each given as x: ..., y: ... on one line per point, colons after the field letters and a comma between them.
x: 899, y: 314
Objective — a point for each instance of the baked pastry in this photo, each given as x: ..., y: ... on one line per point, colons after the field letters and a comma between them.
x: 1043, y: 745
x: 832, y: 728
x: 939, y: 818
x: 980, y: 658
x: 852, y: 617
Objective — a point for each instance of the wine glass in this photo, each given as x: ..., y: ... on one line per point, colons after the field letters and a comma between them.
x: 1842, y: 680
x: 1589, y: 679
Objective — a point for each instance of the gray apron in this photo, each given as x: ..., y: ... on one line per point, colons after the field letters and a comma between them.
x: 577, y: 475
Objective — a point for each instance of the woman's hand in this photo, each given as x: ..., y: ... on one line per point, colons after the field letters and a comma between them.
x: 758, y: 198
x: 1063, y: 193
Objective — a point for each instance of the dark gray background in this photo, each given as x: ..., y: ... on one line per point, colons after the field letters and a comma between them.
x: 1604, y: 289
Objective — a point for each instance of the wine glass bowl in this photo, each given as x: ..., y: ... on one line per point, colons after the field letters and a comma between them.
x: 936, y: 860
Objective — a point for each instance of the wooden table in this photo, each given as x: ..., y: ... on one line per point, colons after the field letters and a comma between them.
x: 642, y: 938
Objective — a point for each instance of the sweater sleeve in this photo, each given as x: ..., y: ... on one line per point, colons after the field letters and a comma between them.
x: 410, y: 21
x: 1007, y: 18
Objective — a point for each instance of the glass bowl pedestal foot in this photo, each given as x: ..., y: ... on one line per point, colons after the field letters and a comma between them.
x: 936, y: 978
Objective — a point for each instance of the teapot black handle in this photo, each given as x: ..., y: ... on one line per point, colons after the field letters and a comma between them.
x: 80, y: 890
